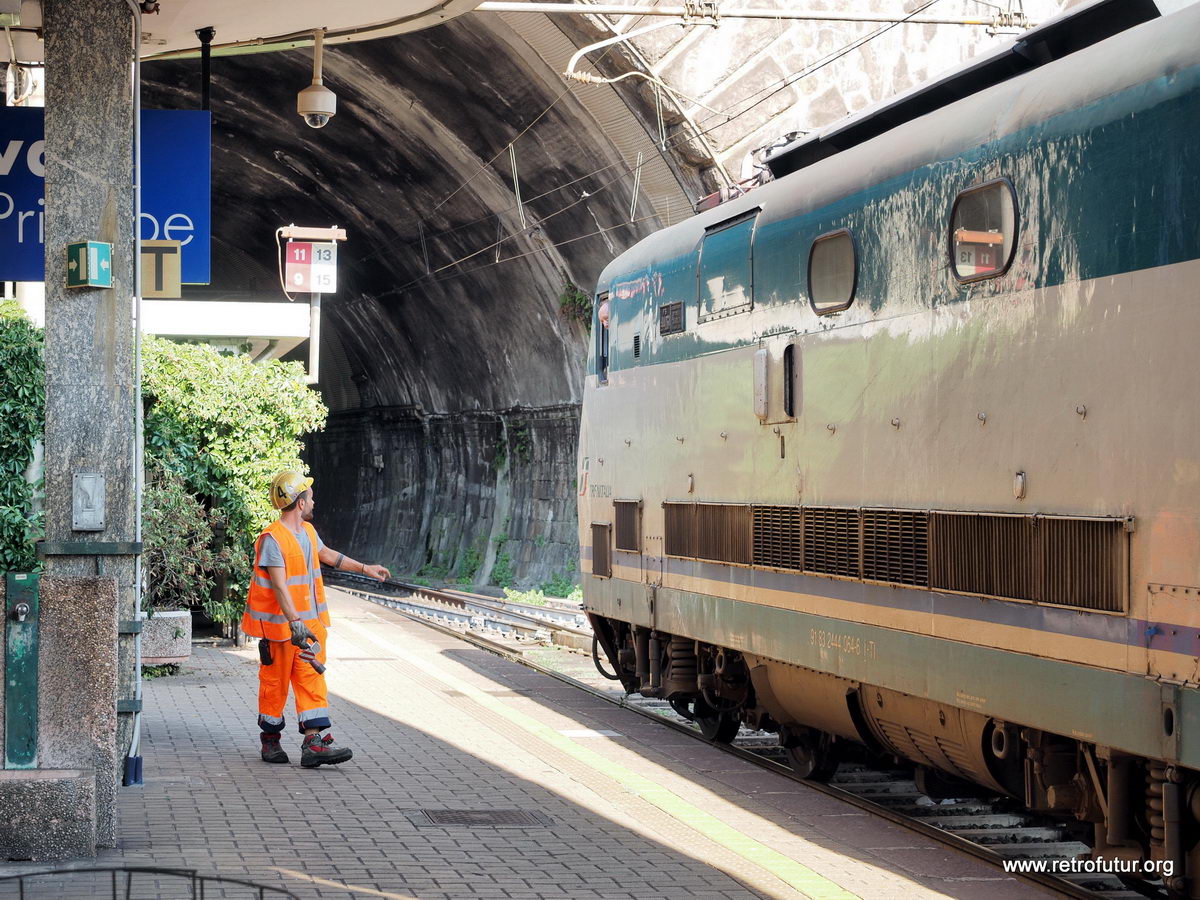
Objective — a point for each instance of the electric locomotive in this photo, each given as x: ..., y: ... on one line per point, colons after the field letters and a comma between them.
x: 896, y: 449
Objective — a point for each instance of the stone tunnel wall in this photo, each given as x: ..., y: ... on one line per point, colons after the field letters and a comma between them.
x: 476, y: 498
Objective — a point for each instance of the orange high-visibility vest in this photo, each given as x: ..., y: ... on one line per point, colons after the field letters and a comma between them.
x: 263, y: 616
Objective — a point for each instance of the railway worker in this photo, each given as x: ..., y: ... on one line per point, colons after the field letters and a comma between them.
x: 286, y: 609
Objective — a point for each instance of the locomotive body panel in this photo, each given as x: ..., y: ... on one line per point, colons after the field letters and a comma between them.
x: 1041, y: 394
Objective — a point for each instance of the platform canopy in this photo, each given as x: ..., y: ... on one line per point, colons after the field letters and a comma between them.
x: 245, y: 27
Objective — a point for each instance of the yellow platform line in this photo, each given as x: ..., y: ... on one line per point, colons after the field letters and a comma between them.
x: 783, y: 867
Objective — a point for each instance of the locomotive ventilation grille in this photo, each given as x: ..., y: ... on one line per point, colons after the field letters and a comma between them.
x: 1059, y: 560
x: 601, y: 556
x: 1050, y: 559
x: 777, y: 531
x: 627, y: 515
x: 831, y: 541
x: 719, y: 532
x: 896, y: 546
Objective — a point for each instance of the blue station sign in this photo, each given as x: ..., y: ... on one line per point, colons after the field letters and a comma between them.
x: 176, y: 189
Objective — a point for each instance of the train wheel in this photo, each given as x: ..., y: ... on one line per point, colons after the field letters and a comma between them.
x: 814, y: 756
x: 718, y: 727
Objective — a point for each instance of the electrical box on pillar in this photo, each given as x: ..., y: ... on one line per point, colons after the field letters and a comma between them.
x: 311, y: 255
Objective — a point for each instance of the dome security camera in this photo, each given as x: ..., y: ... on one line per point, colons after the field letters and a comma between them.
x: 317, y: 104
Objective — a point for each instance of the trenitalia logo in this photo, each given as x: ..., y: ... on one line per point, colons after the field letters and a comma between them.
x: 583, y: 475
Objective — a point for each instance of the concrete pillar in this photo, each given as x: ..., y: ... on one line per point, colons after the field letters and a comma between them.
x: 90, y: 390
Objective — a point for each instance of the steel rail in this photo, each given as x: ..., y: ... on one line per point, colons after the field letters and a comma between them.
x: 524, y: 618
x: 950, y: 839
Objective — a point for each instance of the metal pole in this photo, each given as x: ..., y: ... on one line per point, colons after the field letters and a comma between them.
x: 683, y: 12
x: 206, y: 36
x: 314, y: 338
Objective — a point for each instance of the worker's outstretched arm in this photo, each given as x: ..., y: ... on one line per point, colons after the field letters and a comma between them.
x: 344, y: 563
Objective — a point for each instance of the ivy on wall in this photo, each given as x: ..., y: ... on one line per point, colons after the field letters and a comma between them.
x: 217, y: 429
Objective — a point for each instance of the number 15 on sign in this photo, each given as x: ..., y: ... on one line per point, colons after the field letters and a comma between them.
x: 311, y: 267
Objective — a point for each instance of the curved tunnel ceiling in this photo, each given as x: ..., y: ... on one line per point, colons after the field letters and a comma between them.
x: 418, y: 150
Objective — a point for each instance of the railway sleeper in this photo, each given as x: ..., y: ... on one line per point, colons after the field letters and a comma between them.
x: 1141, y: 811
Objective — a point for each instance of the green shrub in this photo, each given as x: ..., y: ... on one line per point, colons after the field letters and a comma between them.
x: 179, y: 558
x: 468, y: 567
x: 22, y: 410
x: 226, y: 425
x: 559, y: 585
x: 533, y: 598
x: 502, y: 570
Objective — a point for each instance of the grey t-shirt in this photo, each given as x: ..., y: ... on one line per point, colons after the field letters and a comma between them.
x: 271, y: 554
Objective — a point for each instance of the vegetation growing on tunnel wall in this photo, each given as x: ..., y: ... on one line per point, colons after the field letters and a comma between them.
x: 576, y: 305
x: 22, y: 406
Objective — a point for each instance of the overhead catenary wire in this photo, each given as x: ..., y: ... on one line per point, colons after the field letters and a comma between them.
x: 680, y: 138
x: 787, y: 81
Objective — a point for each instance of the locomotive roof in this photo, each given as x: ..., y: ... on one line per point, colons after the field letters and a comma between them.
x: 1081, y: 27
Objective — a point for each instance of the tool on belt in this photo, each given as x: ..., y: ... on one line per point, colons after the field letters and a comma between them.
x: 310, y: 646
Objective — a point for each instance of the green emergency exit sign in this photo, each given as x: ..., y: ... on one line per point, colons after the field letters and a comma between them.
x: 89, y: 264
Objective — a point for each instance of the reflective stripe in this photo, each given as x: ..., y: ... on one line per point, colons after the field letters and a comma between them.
x: 322, y: 608
x: 260, y: 616
x: 290, y: 582
x: 319, y: 713
x: 270, y: 720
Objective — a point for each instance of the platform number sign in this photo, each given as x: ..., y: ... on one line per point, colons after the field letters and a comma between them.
x: 311, y: 268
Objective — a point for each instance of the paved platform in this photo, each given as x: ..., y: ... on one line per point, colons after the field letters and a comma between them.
x: 621, y: 807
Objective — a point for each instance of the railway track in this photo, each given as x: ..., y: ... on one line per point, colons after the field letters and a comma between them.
x: 994, y: 830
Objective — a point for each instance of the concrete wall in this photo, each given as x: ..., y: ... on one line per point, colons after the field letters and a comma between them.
x: 451, y: 492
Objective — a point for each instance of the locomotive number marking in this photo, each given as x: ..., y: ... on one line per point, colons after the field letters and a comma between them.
x: 845, y: 643
x: 970, y: 701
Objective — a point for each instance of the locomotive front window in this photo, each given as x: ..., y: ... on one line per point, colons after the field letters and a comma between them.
x: 832, y: 272
x: 983, y: 231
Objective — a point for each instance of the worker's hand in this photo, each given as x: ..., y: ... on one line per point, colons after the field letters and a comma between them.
x: 300, y: 634
x: 377, y: 572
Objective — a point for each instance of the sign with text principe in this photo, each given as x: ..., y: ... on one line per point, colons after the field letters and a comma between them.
x: 176, y: 189
x: 311, y: 268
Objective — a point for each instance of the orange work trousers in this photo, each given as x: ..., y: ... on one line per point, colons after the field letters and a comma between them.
x: 287, y: 669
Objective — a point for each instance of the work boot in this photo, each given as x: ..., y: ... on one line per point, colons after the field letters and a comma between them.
x: 322, y: 751
x: 271, y: 751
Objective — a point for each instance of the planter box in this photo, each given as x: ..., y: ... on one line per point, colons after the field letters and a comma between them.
x: 167, y: 637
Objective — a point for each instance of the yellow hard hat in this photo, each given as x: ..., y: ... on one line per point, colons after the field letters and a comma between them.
x: 286, y: 487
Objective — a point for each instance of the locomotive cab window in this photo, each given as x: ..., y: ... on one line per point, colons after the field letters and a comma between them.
x: 832, y: 272
x: 983, y: 231
x: 603, y: 316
